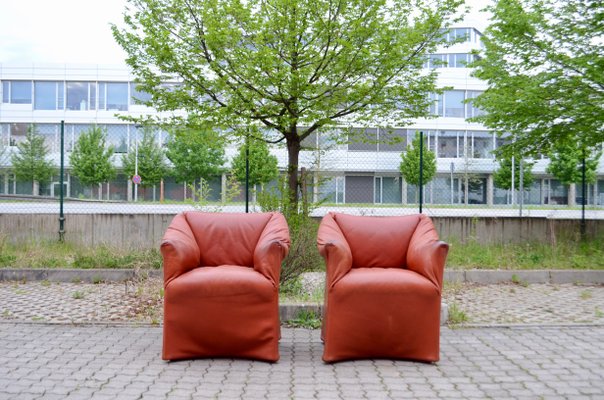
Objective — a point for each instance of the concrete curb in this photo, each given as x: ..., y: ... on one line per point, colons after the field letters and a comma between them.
x: 480, y: 276
x: 75, y: 275
x: 489, y: 277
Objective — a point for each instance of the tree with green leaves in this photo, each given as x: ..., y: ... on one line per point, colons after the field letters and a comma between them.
x: 149, y: 156
x: 502, y: 177
x: 543, y: 62
x: 290, y: 66
x: 30, y: 162
x: 410, y: 164
x: 566, y: 165
x: 90, y: 158
x: 262, y: 164
x: 196, y: 154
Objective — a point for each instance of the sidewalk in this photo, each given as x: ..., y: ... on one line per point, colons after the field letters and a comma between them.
x: 103, y: 341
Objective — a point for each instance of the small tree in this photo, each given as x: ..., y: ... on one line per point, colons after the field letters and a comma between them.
x: 195, y: 154
x: 502, y: 177
x: 566, y: 164
x: 91, y: 158
x: 29, y: 162
x: 150, y: 157
x: 410, y: 164
x: 262, y: 164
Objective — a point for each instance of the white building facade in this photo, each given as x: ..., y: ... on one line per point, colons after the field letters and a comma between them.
x: 355, y: 173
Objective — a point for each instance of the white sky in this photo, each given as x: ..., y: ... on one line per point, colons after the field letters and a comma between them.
x: 76, y: 31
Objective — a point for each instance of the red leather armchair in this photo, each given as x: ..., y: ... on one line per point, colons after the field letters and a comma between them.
x: 383, y: 287
x: 221, y: 285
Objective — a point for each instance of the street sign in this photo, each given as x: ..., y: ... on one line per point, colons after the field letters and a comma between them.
x: 136, y: 179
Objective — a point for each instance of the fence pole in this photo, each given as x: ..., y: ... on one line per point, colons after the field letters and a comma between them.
x: 521, y: 186
x: 247, y: 173
x: 583, y: 195
x: 61, y: 194
x: 421, y: 171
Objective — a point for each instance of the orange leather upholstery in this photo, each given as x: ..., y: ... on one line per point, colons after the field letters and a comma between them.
x: 221, y: 285
x: 383, y: 287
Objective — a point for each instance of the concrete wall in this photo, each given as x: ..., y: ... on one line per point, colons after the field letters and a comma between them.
x: 146, y: 230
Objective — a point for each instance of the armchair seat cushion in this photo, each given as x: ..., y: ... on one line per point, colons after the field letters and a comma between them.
x: 383, y: 313
x: 222, y: 311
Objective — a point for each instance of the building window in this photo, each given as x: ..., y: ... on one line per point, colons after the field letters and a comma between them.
x: 454, y: 103
x: 117, y: 96
x: 458, y: 60
x: 448, y: 144
x: 17, y: 133
x: 436, y: 105
x: 362, y: 139
x: 471, y: 110
x: 482, y: 144
x: 48, y: 95
x: 81, y: 96
x: 392, y: 139
x: 16, y: 92
x: 138, y: 96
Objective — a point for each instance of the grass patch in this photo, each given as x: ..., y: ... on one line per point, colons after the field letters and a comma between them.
x: 294, y: 291
x: 566, y: 254
x: 305, y: 319
x: 456, y: 315
x: 69, y: 255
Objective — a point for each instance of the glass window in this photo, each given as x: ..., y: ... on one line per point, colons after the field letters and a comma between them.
x: 462, y: 34
x: 49, y: 132
x: 92, y: 87
x: 138, y: 96
x: 391, y: 190
x: 458, y: 60
x: 20, y: 92
x: 454, y: 103
x: 117, y: 96
x: 436, y: 106
x: 4, y: 141
x: 5, y: 91
x: 117, y: 135
x: 471, y: 110
x: 61, y: 95
x: 18, y: 131
x: 436, y: 61
x: 363, y: 139
x: 102, y: 95
x: 447, y: 144
x: 45, y: 95
x: 483, y: 144
x: 392, y: 139
x: 77, y: 95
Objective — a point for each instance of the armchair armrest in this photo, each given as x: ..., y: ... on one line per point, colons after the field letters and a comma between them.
x: 335, y: 250
x: 427, y: 254
x: 272, y: 248
x: 179, y: 249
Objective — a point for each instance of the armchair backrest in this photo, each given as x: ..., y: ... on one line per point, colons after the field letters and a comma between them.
x: 378, y: 241
x: 227, y: 238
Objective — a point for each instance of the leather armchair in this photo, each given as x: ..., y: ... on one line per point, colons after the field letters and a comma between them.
x: 383, y: 287
x: 221, y: 285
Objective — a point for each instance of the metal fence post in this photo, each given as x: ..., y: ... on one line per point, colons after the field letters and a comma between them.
x: 421, y: 171
x: 61, y: 194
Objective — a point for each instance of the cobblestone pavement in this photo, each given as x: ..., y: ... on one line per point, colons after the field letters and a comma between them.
x: 141, y: 302
x: 122, y: 362
x: 97, y: 341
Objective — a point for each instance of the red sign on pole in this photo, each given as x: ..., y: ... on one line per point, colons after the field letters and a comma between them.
x: 136, y: 179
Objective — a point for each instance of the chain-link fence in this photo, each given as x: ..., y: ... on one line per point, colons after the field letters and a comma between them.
x: 361, y: 176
